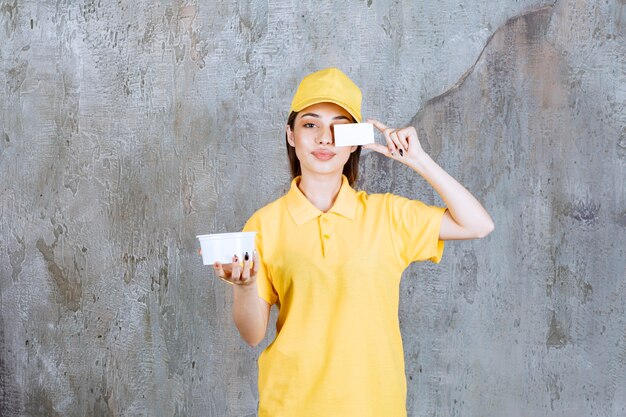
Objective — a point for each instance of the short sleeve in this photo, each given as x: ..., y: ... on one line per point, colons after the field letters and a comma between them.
x: 415, y: 229
x: 264, y: 282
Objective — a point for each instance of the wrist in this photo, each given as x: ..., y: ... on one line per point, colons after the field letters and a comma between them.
x: 421, y: 162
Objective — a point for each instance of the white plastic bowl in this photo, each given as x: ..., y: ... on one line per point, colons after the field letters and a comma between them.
x: 221, y: 247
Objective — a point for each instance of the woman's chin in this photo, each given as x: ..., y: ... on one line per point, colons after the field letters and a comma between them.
x: 332, y: 166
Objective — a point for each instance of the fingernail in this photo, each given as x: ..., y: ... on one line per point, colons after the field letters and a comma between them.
x: 246, y: 256
x: 236, y: 258
x: 401, y: 152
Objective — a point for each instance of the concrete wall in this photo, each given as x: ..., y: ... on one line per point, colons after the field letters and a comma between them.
x: 126, y: 128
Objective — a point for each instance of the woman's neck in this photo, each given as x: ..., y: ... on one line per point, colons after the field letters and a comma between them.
x: 321, y: 191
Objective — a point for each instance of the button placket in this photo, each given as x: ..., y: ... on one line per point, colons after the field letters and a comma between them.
x: 326, y: 232
x: 325, y: 228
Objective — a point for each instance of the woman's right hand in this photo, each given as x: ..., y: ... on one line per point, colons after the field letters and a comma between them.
x: 237, y: 274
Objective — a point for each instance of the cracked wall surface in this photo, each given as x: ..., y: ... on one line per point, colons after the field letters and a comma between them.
x: 127, y: 128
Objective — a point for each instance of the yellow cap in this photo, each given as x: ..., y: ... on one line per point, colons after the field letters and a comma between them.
x: 328, y: 85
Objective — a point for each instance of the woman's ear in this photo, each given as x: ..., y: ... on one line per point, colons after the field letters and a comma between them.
x: 290, y: 138
x: 354, y: 148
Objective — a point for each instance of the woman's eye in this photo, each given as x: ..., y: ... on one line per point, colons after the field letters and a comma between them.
x: 309, y: 125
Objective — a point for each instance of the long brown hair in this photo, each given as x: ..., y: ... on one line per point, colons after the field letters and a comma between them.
x: 350, y: 169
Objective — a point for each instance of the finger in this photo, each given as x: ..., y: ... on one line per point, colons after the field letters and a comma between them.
x: 396, y: 140
x: 403, y: 136
x: 219, y: 271
x: 228, y: 269
x: 255, y: 263
x: 236, y: 272
x: 200, y: 251
x: 221, y: 274
x: 378, y: 125
x: 378, y: 148
x: 386, y: 131
x: 390, y: 143
x: 411, y: 135
x: 245, y: 275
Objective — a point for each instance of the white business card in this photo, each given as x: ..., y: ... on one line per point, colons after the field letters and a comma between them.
x: 352, y: 134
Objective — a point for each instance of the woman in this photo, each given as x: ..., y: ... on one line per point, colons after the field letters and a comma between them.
x: 331, y: 259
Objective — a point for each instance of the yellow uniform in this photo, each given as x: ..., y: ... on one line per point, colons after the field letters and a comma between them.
x: 335, y: 277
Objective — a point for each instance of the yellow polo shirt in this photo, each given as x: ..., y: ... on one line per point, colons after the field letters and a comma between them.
x: 335, y: 278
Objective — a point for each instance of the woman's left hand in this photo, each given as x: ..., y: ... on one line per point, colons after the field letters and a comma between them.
x: 402, y: 144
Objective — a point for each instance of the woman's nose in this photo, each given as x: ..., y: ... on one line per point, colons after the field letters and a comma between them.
x: 326, y: 137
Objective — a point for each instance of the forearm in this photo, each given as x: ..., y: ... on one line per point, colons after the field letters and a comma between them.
x: 464, y: 208
x: 247, y: 313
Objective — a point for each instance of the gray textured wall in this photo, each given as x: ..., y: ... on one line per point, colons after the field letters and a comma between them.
x: 126, y: 128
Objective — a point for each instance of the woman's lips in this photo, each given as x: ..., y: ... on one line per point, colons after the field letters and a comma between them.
x: 323, y: 155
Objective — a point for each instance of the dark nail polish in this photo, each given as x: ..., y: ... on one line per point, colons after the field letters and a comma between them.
x: 401, y: 152
x: 236, y: 258
x: 246, y: 256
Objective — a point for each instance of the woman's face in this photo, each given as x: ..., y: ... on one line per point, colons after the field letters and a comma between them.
x: 314, y: 139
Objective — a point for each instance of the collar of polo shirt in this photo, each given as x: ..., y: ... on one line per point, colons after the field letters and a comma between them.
x: 302, y: 210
